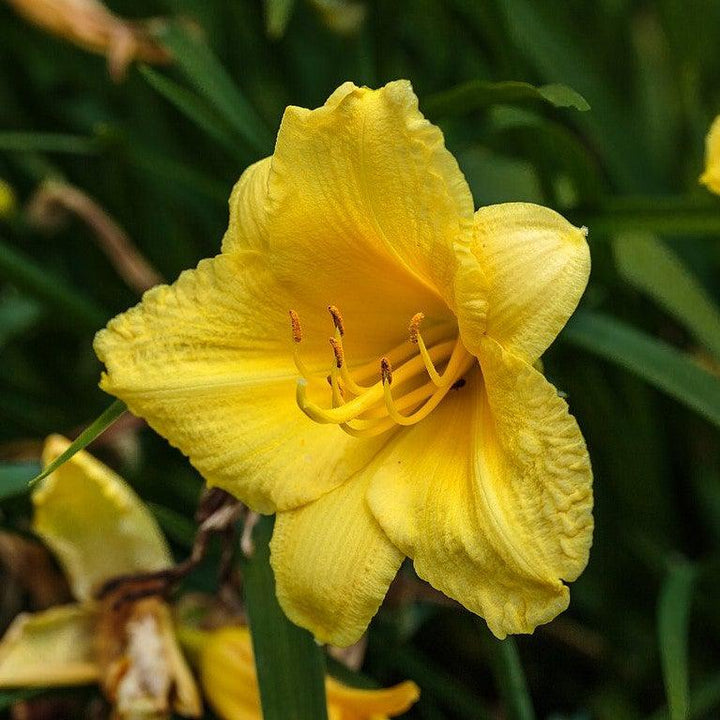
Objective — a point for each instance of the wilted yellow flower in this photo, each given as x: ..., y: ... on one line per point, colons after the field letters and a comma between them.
x: 711, y: 177
x: 422, y: 428
x: 89, y: 24
x: 227, y: 675
x: 98, y: 529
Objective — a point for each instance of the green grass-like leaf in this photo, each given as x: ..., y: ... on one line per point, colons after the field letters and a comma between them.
x: 290, y: 665
x: 673, y: 616
x: 96, y: 428
x: 26, y: 275
x: 277, y: 16
x: 658, y: 363
x: 24, y: 142
x: 478, y: 94
x: 192, y: 106
x: 212, y: 80
x: 651, y: 267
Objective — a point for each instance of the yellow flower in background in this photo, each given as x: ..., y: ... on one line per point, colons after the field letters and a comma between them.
x: 711, y: 176
x: 98, y: 529
x: 421, y: 428
x: 8, y: 200
x: 227, y: 674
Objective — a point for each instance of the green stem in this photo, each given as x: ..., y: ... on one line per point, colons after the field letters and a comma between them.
x: 290, y: 665
x: 510, y: 680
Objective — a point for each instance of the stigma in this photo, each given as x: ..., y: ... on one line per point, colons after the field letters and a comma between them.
x: 402, y: 388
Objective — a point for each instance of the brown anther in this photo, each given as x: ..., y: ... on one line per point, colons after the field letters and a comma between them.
x: 337, y: 319
x: 386, y: 371
x: 414, y: 328
x: 295, y: 325
x: 339, y: 353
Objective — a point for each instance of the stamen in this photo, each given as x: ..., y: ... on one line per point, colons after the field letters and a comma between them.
x: 339, y: 352
x: 297, y: 337
x: 295, y: 325
x: 433, y: 401
x: 415, y: 327
x: 337, y: 319
x: 368, y: 411
x: 386, y: 371
x: 416, y: 337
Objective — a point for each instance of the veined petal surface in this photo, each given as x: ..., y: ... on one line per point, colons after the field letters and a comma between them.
x: 490, y: 496
x: 208, y: 363
x: 333, y: 564
x: 365, y: 207
x: 248, y: 225
x: 94, y: 522
x: 53, y: 647
x: 535, y: 266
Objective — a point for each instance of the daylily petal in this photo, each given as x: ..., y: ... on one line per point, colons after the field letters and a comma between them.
x: 366, y: 204
x: 333, y: 564
x: 94, y: 523
x: 247, y: 229
x: 535, y: 267
x: 537, y: 467
x: 54, y: 647
x: 208, y: 363
x: 711, y: 175
x: 493, y: 514
x: 351, y: 703
x: 227, y: 673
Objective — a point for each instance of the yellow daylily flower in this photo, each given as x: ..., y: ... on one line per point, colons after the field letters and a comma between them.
x: 98, y: 529
x: 711, y: 176
x: 422, y: 429
x: 226, y: 668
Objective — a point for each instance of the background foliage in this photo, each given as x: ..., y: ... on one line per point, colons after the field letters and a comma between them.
x: 639, y: 363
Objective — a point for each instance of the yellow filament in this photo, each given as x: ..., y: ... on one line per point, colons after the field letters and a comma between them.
x: 367, y: 411
x: 459, y: 364
x: 299, y: 364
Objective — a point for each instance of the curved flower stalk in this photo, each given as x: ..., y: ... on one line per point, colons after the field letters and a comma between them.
x: 360, y: 360
x: 98, y: 529
x: 89, y: 24
x: 711, y: 175
x: 226, y: 667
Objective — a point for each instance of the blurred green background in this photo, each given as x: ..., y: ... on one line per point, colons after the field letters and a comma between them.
x: 639, y: 363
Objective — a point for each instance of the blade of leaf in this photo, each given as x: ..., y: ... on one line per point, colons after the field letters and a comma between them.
x: 290, y: 665
x: 651, y: 267
x: 31, y: 278
x: 193, y: 106
x: 277, y: 16
x: 14, y: 478
x: 510, y: 680
x: 680, y: 215
x: 673, y: 616
x: 48, y: 142
x: 212, y: 80
x: 478, y: 94
x: 17, y: 315
x: 658, y: 363
x: 547, y: 39
x: 96, y: 428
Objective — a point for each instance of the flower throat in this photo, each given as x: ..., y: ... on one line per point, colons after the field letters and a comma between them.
x: 365, y: 407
